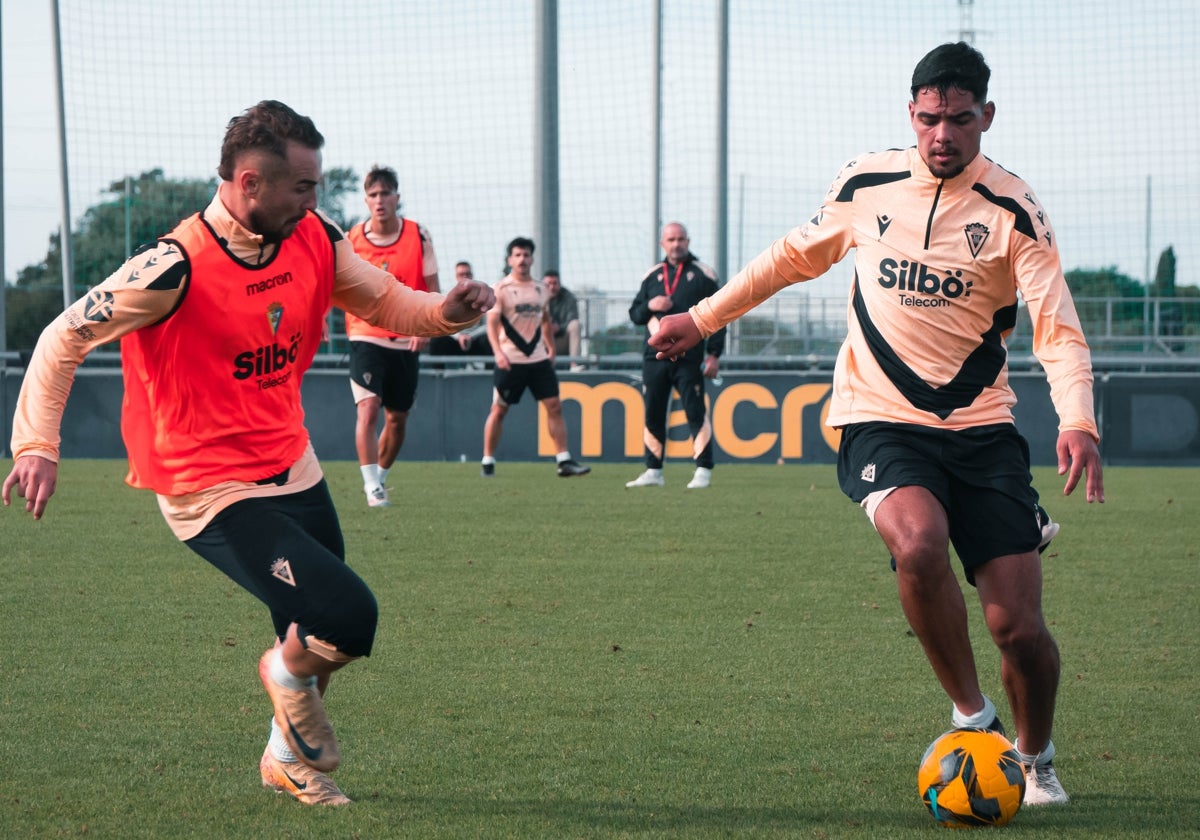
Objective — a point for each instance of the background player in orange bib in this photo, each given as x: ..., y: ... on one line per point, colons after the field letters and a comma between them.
x: 383, y: 364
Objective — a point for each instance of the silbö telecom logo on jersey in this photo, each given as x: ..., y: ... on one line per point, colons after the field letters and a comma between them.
x: 923, y: 285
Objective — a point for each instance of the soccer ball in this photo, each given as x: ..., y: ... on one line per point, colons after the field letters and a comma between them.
x: 971, y: 777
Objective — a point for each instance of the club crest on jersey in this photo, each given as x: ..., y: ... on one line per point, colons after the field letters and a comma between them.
x: 274, y: 316
x: 977, y: 234
x: 868, y: 473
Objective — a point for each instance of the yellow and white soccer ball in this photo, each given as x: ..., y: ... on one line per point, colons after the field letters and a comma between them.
x: 971, y: 777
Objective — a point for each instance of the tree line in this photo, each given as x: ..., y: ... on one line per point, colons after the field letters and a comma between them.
x: 138, y: 209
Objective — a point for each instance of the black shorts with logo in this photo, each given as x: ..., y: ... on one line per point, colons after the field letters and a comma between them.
x: 980, y: 476
x: 288, y: 552
x: 539, y: 378
x: 390, y: 374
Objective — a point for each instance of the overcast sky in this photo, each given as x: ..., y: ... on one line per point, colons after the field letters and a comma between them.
x: 31, y: 182
x: 1097, y: 107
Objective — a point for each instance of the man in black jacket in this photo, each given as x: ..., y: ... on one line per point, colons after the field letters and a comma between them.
x: 674, y: 285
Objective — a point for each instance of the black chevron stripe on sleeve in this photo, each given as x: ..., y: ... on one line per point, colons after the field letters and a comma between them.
x: 868, y: 179
x: 172, y: 277
x: 1023, y: 222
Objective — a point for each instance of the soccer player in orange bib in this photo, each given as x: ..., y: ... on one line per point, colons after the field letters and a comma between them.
x: 218, y: 321
x: 944, y: 242
x: 384, y: 365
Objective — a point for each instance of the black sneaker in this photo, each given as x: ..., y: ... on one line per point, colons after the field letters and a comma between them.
x: 568, y: 468
x: 487, y: 470
x: 996, y: 726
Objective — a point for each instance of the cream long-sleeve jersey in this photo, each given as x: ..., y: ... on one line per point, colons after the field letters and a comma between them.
x: 938, y: 266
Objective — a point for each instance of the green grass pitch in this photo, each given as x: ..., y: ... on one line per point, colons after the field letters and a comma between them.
x: 570, y: 659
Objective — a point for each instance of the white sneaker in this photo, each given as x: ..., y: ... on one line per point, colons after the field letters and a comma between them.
x: 650, y: 478
x: 702, y: 478
x: 1049, y: 531
x: 1042, y: 786
x: 377, y: 497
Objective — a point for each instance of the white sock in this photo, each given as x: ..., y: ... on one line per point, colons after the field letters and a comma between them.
x: 279, y: 747
x: 282, y: 676
x: 1044, y: 757
x: 562, y: 456
x: 653, y: 472
x: 976, y: 721
x: 370, y: 474
x: 488, y: 459
x: 382, y: 473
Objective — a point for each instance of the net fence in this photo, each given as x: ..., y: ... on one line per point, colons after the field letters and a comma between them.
x: 1096, y: 108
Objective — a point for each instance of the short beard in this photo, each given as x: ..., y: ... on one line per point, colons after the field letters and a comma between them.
x: 269, y: 237
x: 946, y: 174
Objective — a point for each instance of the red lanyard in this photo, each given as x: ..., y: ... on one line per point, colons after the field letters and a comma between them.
x: 670, y: 287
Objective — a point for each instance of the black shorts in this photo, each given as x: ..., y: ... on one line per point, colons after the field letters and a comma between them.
x: 288, y: 552
x: 539, y: 378
x: 390, y: 374
x: 980, y: 476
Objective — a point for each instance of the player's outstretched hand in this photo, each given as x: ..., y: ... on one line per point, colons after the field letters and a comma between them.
x: 1077, y: 454
x: 34, y: 478
x: 467, y: 300
x: 675, y: 335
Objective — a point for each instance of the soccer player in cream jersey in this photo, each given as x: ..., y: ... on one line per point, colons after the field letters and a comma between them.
x: 519, y: 332
x: 218, y: 321
x: 944, y: 242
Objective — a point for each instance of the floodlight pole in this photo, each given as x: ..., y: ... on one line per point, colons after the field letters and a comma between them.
x: 545, y: 136
x: 721, y: 255
x: 68, y: 266
x: 1146, y: 340
x: 656, y: 136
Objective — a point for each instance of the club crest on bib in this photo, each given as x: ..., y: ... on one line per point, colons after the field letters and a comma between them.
x: 274, y: 316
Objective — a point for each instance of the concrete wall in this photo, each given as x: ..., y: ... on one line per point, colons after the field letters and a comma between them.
x: 757, y: 417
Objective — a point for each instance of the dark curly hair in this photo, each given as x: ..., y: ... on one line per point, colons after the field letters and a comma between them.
x: 268, y: 126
